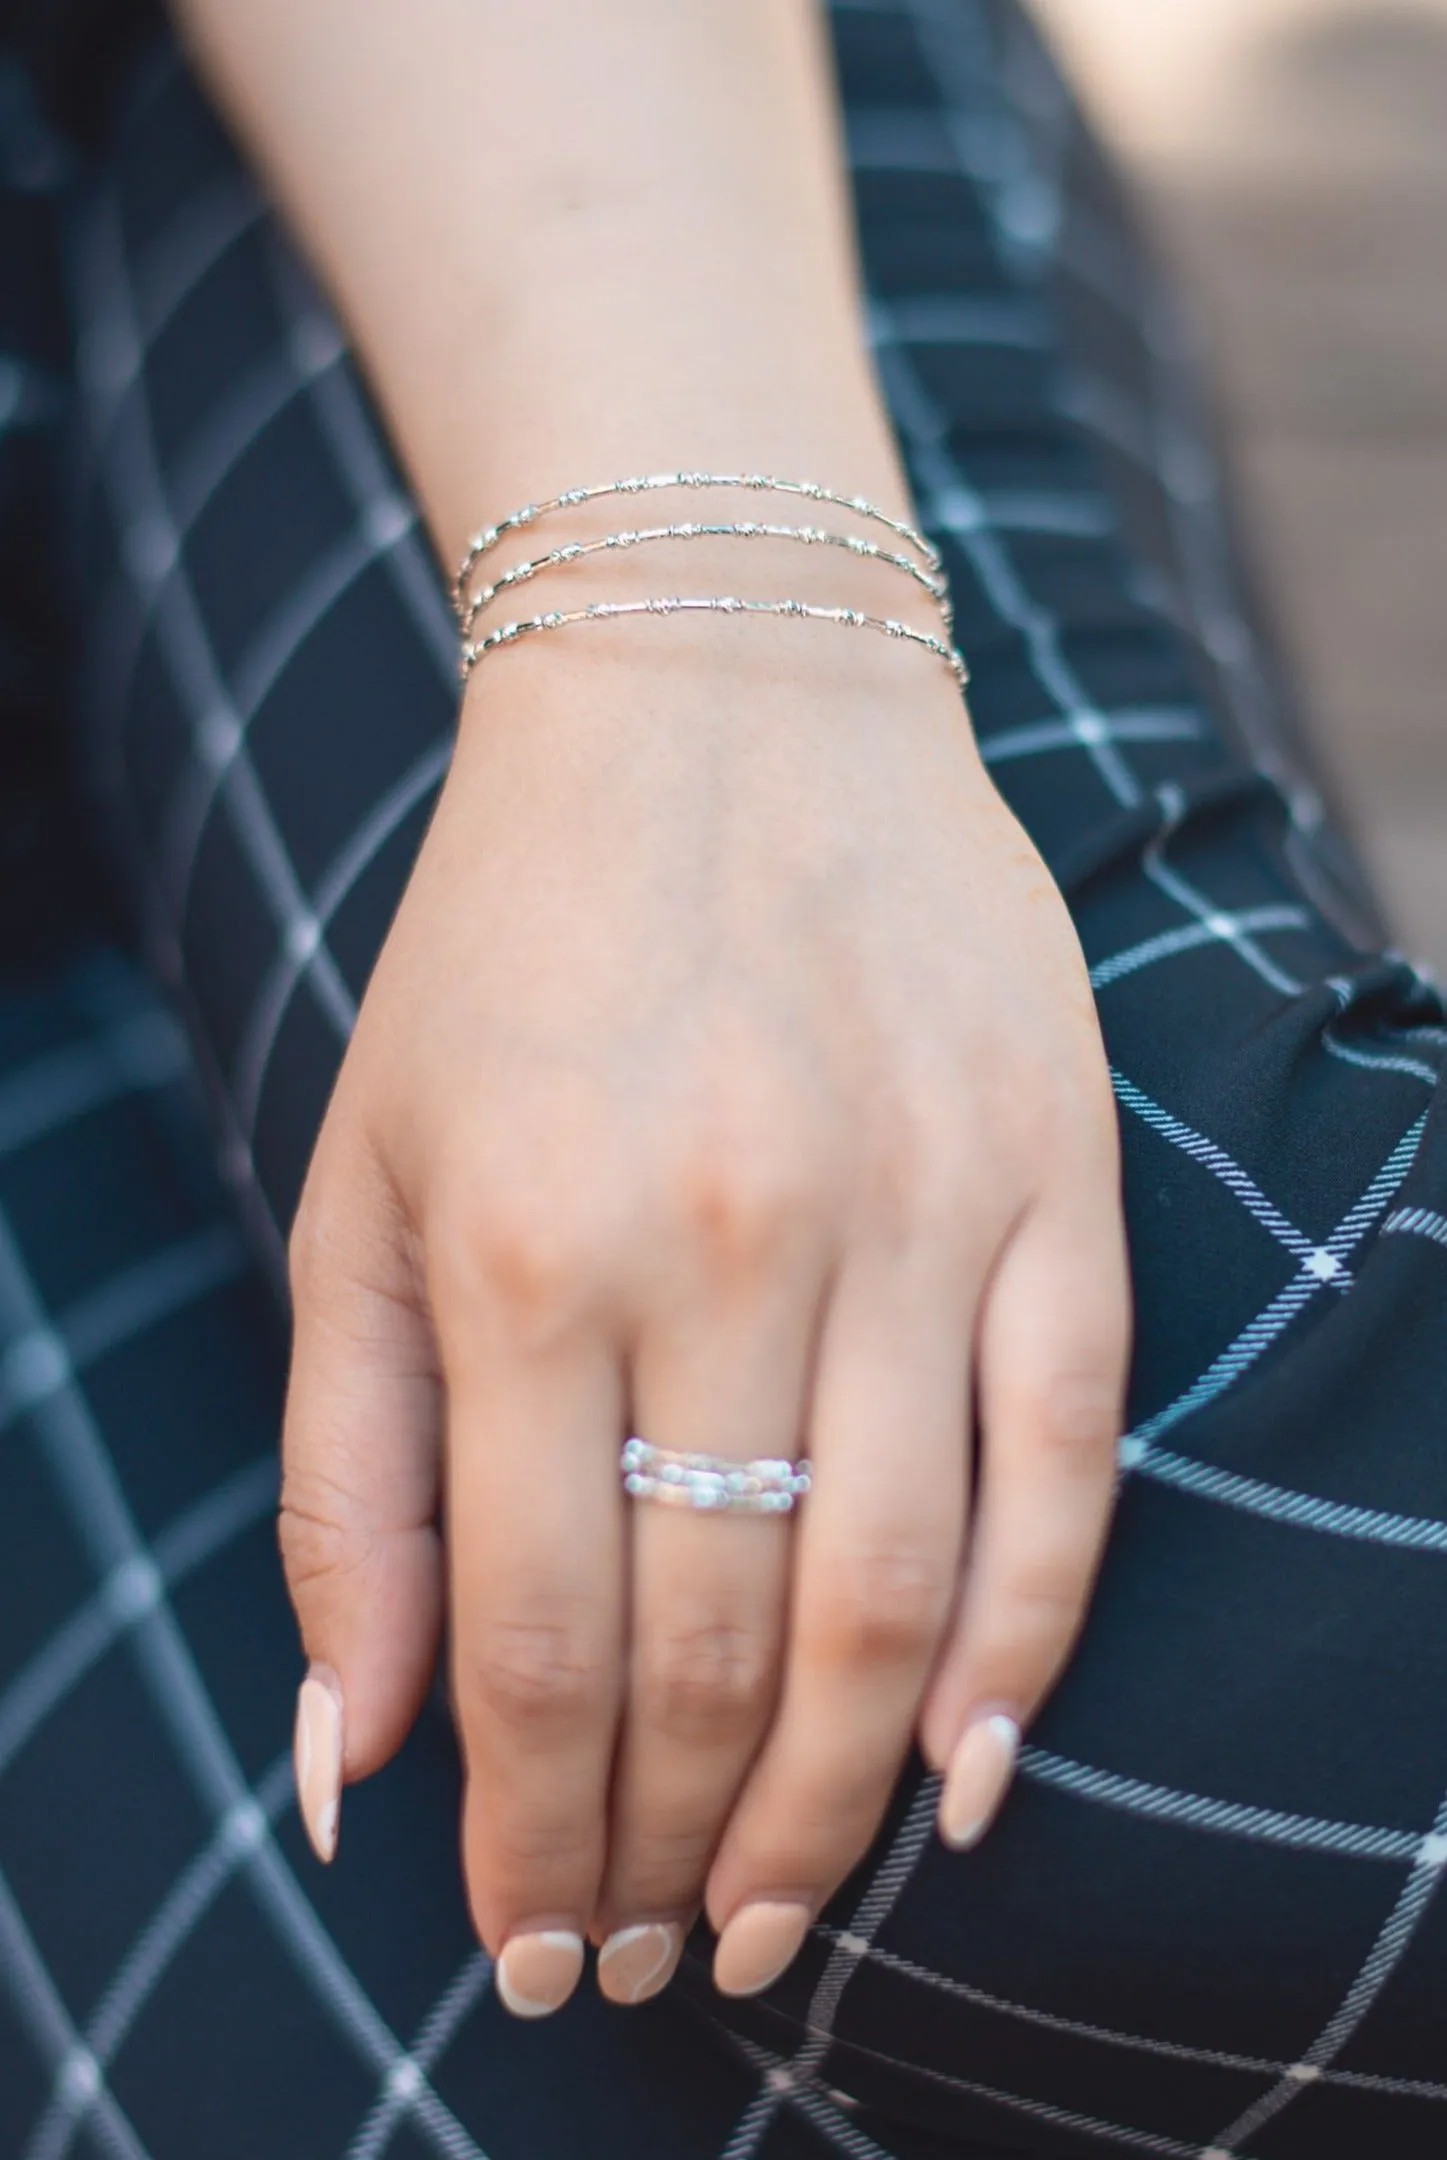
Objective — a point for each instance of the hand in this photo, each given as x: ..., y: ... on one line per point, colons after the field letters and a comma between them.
x: 730, y: 1075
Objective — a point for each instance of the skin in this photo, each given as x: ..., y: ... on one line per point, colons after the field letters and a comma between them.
x: 730, y: 1073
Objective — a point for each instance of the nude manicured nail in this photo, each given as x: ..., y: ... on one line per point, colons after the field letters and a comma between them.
x: 635, y: 1962
x: 975, y: 1783
x: 317, y: 1753
x: 759, y: 1943
x: 536, y: 1974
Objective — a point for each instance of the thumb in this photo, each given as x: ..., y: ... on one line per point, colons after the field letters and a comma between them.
x: 360, y: 1446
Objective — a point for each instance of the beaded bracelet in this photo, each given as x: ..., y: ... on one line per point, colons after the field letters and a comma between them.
x: 477, y: 602
x: 719, y: 604
x: 487, y: 538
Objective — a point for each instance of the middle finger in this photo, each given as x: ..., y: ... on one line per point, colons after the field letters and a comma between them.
x: 878, y: 1553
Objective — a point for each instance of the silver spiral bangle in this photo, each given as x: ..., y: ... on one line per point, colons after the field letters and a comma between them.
x: 716, y: 604
x: 475, y: 603
x: 487, y: 538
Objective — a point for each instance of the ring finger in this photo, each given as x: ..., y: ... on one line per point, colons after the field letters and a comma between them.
x: 709, y: 1596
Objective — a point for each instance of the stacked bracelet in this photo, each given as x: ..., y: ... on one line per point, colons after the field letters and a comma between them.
x: 487, y: 538
x: 715, y: 604
x: 923, y: 567
x: 743, y: 529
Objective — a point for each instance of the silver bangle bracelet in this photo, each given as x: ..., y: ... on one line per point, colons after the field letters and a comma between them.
x: 647, y: 483
x: 476, y: 603
x: 719, y: 604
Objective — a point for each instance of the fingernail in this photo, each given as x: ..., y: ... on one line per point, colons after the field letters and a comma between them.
x: 537, y: 1973
x: 757, y: 1945
x: 975, y: 1783
x: 317, y: 1753
x: 635, y: 1962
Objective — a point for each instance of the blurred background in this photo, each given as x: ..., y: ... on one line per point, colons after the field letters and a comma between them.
x: 1292, y: 155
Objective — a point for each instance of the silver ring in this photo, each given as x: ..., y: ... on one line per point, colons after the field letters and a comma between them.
x: 768, y: 1486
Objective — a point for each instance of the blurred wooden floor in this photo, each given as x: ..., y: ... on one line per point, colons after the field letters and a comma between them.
x: 1294, y: 153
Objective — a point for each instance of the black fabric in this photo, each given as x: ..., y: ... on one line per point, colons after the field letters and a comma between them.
x: 77, y: 54
x: 1210, y: 1920
x: 48, y: 884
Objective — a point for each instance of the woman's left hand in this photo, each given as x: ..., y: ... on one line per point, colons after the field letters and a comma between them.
x: 731, y: 1075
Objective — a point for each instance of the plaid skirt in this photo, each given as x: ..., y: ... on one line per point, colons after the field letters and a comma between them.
x: 1209, y: 1922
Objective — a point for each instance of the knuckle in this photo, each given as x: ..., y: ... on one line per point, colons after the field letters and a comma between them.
x: 534, y: 1261
x: 898, y: 1178
x: 1032, y: 1108
x: 524, y: 1250
x: 742, y: 1181
x: 1046, y: 1598
x: 738, y: 1208
x: 1078, y: 1419
x: 321, y: 1538
x: 713, y: 1680
x: 830, y: 1820
x: 918, y: 1169
x: 884, y: 1607
x: 533, y: 1671
x: 540, y: 1843
x: 663, y: 1866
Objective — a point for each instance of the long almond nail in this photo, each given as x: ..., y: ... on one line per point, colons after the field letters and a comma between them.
x: 976, y: 1781
x: 536, y: 1974
x: 635, y: 1962
x: 317, y: 1752
x: 758, y: 1944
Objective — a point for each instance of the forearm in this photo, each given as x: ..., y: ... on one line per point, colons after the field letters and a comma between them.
x: 570, y: 239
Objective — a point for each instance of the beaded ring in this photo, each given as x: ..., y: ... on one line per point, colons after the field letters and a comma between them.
x: 712, y: 1483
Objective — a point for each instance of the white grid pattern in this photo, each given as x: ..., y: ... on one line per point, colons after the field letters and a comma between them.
x: 1271, y: 1323
x: 991, y: 148
x: 128, y: 463
x: 40, y: 1374
x: 195, y: 1889
x: 144, y: 1050
x: 797, y: 2081
x: 76, y: 1455
x: 1386, y: 1953
x: 264, y: 1025
x: 949, y: 505
x: 41, y: 2012
x: 1218, y: 921
x: 130, y: 1589
x: 1417, y: 1222
x: 1140, y: 2043
x: 124, y: 309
